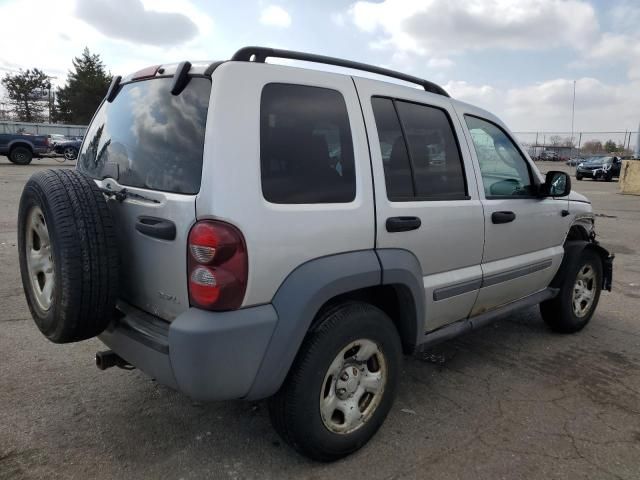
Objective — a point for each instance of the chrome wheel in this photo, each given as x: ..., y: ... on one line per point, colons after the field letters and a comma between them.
x: 353, y: 386
x: 39, y: 259
x: 584, y: 290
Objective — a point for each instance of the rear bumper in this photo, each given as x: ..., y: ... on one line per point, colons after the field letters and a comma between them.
x: 206, y: 355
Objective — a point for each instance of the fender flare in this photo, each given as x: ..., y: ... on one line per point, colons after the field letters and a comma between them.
x: 21, y: 143
x: 306, y: 290
x: 573, y: 249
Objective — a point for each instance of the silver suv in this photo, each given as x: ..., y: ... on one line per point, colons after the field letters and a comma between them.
x: 244, y: 230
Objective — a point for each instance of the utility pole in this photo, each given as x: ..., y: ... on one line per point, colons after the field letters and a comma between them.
x: 573, y: 111
x: 49, y: 95
x: 48, y: 85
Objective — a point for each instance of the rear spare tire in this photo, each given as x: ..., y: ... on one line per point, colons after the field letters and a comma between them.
x: 68, y: 255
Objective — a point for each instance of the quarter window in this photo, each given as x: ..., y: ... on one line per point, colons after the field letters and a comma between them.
x: 395, y: 159
x: 306, y: 150
x: 505, y: 172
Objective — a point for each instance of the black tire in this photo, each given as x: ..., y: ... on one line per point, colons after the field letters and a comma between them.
x: 558, y: 313
x: 295, y: 409
x: 82, y: 246
x: 70, y: 153
x: 608, y: 178
x: 21, y: 156
x: 578, y: 177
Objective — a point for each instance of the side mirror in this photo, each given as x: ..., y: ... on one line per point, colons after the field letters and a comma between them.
x: 557, y: 184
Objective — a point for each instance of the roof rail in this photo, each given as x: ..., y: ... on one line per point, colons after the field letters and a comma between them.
x: 260, y: 54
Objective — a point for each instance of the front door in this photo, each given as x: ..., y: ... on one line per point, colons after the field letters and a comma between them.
x: 426, y: 196
x: 524, y: 233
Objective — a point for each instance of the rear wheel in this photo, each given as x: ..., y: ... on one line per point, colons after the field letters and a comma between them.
x: 579, y: 293
x: 578, y: 177
x: 70, y: 153
x: 21, y: 156
x: 342, y: 384
x: 68, y: 257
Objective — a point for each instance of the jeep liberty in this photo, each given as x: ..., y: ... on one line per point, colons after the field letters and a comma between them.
x: 246, y: 230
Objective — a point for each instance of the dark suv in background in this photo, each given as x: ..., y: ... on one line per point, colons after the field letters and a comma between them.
x: 599, y: 167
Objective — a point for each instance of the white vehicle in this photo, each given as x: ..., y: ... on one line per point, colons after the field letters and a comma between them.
x: 244, y: 230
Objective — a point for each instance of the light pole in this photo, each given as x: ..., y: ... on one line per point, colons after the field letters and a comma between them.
x: 48, y: 86
x: 573, y: 111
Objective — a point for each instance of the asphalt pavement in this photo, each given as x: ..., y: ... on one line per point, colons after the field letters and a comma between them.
x: 511, y: 401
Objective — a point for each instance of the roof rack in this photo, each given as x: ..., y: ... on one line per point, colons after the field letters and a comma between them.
x: 260, y: 54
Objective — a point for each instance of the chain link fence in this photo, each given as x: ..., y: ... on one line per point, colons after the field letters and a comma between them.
x: 565, y: 145
x: 42, y: 128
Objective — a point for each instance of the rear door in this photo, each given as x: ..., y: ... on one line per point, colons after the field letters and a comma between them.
x: 150, y: 143
x: 426, y: 196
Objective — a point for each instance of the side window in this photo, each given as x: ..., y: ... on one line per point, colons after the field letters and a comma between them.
x: 433, y: 150
x: 395, y: 159
x: 420, y: 154
x: 306, y: 149
x: 504, y: 170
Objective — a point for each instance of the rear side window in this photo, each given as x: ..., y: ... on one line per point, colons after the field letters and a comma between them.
x: 150, y: 138
x: 306, y: 150
x: 434, y: 154
x: 420, y: 154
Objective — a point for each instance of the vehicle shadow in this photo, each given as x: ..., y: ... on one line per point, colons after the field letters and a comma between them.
x: 450, y: 397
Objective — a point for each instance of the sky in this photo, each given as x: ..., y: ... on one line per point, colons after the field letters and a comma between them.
x: 518, y: 59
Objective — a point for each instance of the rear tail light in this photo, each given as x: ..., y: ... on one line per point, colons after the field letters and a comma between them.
x: 217, y: 265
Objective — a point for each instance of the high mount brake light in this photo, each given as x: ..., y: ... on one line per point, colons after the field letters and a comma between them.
x: 217, y: 266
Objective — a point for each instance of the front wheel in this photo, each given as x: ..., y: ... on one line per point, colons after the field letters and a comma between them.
x: 577, y: 300
x: 578, y: 177
x: 341, y: 385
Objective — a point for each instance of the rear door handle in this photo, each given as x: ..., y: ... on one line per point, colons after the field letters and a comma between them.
x: 156, y: 227
x: 403, y: 224
x: 503, y: 217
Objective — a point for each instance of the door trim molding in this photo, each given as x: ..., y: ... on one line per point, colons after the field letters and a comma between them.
x: 515, y: 273
x: 470, y: 285
x: 456, y: 289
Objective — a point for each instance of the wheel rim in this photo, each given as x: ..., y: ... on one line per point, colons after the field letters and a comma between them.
x: 584, y: 290
x: 39, y: 259
x: 20, y: 157
x: 69, y: 153
x: 353, y: 386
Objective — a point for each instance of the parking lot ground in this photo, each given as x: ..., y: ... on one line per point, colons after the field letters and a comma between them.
x: 510, y: 401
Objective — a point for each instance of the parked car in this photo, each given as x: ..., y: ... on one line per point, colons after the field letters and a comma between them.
x: 68, y: 148
x: 273, y: 252
x: 55, y: 138
x: 549, y: 155
x: 605, y: 168
x: 574, y: 162
x: 21, y: 148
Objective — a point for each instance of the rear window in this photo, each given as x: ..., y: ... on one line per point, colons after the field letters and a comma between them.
x: 150, y: 138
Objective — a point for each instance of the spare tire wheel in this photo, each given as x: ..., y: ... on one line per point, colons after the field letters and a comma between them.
x: 68, y: 255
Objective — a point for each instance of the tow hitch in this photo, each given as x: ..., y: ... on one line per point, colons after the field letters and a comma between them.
x: 108, y: 359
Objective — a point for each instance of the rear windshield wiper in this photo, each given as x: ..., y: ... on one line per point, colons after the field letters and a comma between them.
x: 120, y: 195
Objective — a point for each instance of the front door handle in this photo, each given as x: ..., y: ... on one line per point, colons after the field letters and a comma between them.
x: 156, y: 227
x: 403, y: 224
x: 503, y: 217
